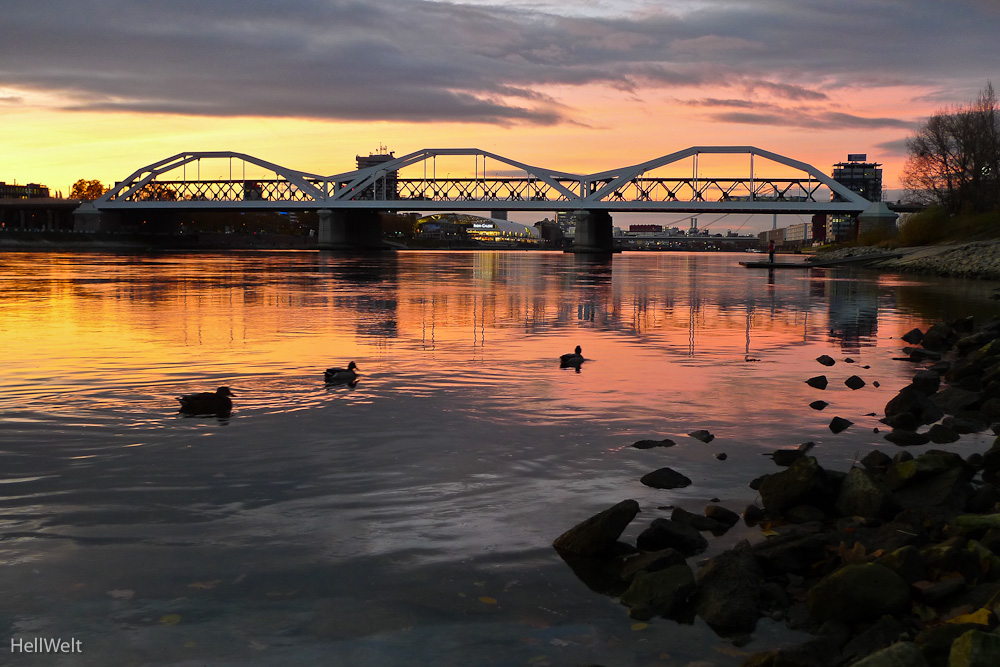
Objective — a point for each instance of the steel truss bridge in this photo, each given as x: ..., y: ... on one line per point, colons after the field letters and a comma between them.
x: 413, y: 182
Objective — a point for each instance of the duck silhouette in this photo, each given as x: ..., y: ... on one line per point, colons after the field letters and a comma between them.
x: 572, y: 359
x: 207, y: 403
x: 347, y: 375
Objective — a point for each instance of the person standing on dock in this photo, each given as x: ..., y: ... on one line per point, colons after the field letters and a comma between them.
x: 770, y: 251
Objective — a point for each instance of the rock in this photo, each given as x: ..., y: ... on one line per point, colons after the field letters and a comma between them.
x: 952, y: 400
x: 599, y: 534
x: 907, y: 438
x: 934, y: 592
x: 926, y: 381
x: 913, y: 336
x: 991, y: 409
x: 804, y: 514
x: 940, y: 337
x: 966, y: 422
x: 975, y: 649
x: 702, y: 435
x: 838, y: 424
x: 826, y: 360
x: 698, y: 521
x: 722, y: 515
x: 660, y: 593
x: 863, y: 495
x: 729, y: 591
x: 752, y: 515
x: 854, y: 382
x: 883, y: 634
x: 818, y: 382
x: 651, y: 561
x: 803, y: 483
x: 910, y: 400
x: 935, y: 642
x: 858, y: 593
x: 649, y: 444
x: 920, y: 354
x: 818, y: 405
x: 904, y: 421
x: 940, y: 434
x: 663, y: 534
x: 902, y: 654
x: 906, y: 562
x: 876, y: 460
x: 722, y: 456
x: 665, y: 478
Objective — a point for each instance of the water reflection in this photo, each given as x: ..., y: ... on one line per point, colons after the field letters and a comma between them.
x: 443, y: 475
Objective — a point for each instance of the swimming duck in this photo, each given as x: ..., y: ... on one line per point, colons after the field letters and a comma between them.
x: 207, y: 403
x: 348, y: 374
x: 573, y: 359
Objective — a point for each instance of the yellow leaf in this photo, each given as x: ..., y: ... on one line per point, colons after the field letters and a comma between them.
x: 979, y: 617
x: 170, y: 619
x: 205, y: 585
x: 769, y: 533
x: 488, y: 600
x: 640, y: 626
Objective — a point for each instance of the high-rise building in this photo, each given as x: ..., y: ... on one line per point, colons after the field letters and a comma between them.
x: 29, y: 191
x: 857, y: 175
x: 385, y: 187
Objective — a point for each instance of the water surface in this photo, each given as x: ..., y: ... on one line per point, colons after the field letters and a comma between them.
x: 406, y: 520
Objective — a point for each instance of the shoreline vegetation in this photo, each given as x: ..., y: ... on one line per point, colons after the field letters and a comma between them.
x: 893, y: 562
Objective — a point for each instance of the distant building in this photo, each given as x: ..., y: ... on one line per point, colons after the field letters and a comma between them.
x: 29, y: 191
x: 857, y: 175
x: 385, y: 187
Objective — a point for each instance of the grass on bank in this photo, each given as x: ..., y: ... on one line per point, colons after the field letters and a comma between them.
x: 934, y: 226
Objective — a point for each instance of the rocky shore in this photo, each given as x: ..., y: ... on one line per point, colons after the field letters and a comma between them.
x: 978, y: 259
x: 892, y: 563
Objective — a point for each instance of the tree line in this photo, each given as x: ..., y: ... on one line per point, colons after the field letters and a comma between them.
x: 954, y: 158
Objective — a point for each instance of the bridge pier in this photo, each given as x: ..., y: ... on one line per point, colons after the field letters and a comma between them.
x: 349, y: 230
x: 87, y: 218
x: 593, y: 232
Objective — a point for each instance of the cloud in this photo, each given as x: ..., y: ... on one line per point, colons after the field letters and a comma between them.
x: 895, y: 147
x: 827, y: 120
x: 480, y: 62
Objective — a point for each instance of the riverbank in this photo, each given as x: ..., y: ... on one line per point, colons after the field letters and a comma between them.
x: 893, y: 562
x: 976, y: 259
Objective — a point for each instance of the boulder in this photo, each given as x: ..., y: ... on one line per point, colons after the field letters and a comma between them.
x: 665, y: 478
x: 818, y: 382
x: 722, y: 515
x: 729, y: 591
x: 839, y: 424
x: 818, y: 405
x: 905, y: 438
x: 650, y: 561
x: 599, y: 534
x: 826, y: 360
x: 698, y: 521
x: 975, y: 648
x: 952, y: 400
x: 912, y: 401
x: 702, y: 435
x: 659, y: 593
x: 664, y: 534
x: 803, y: 483
x: 858, y: 593
x: 854, y: 382
x: 902, y: 654
x: 926, y: 381
x: 913, y: 336
x: 940, y: 434
x: 863, y: 495
x: 906, y: 562
x: 649, y: 444
x: 940, y: 337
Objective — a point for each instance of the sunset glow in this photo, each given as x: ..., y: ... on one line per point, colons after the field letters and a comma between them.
x: 98, y: 93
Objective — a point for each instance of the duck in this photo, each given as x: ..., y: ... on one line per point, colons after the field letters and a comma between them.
x: 207, y: 402
x: 349, y: 374
x: 572, y: 359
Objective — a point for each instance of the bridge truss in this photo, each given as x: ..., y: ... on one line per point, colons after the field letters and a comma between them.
x: 413, y: 182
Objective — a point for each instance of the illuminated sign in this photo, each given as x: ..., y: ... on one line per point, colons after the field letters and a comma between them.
x: 482, y: 225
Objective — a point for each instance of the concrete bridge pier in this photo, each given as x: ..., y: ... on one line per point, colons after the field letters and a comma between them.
x: 349, y: 230
x: 593, y: 232
x: 87, y: 218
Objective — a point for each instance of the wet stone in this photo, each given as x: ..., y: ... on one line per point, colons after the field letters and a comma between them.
x: 818, y: 382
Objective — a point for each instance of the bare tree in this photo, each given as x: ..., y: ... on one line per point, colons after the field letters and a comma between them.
x: 954, y: 158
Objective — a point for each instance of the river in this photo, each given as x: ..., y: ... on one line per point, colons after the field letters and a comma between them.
x: 408, y: 519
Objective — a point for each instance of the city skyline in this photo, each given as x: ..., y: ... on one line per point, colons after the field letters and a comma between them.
x: 95, y: 92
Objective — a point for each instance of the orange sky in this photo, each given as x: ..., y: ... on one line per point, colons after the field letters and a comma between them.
x: 97, y: 94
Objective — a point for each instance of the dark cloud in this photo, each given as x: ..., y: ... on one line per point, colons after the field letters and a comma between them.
x: 827, y: 120
x: 422, y: 60
x: 896, y: 147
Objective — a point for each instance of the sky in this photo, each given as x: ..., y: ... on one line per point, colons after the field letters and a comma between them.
x: 96, y: 89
